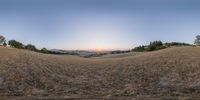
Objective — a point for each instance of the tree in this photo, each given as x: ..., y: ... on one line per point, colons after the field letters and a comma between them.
x: 176, y: 44
x: 155, y: 45
x: 30, y: 47
x: 2, y: 39
x: 44, y: 50
x: 15, y: 44
x: 197, y: 40
x: 140, y: 48
x: 4, y: 44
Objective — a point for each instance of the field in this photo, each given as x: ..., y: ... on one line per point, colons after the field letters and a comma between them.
x: 172, y: 72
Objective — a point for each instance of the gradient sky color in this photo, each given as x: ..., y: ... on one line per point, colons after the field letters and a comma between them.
x: 91, y: 24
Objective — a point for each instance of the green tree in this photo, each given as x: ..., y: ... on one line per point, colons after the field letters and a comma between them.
x: 155, y: 45
x: 44, y: 50
x: 30, y: 47
x: 15, y: 44
x: 139, y: 48
x: 176, y: 44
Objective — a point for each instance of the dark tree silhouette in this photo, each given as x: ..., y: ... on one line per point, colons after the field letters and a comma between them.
x: 2, y: 39
x: 30, y: 47
x: 44, y: 50
x: 197, y: 40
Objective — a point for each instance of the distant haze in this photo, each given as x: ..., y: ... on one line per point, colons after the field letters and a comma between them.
x: 99, y: 24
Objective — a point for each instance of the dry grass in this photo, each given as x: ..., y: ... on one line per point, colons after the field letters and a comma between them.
x: 173, y: 72
x: 113, y: 56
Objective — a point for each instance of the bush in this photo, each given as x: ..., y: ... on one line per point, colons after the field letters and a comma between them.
x: 15, y: 44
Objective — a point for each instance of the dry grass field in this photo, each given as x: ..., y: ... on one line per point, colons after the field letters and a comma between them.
x: 172, y: 72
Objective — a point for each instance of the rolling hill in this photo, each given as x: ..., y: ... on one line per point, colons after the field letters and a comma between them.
x: 171, y: 72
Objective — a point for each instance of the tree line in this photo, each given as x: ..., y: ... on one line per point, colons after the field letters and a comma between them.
x: 157, y: 45
x: 19, y: 45
x: 152, y: 46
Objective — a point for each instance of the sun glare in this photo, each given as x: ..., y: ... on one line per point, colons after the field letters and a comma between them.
x: 99, y: 49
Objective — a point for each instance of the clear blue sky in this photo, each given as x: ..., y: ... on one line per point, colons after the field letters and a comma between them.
x: 107, y: 24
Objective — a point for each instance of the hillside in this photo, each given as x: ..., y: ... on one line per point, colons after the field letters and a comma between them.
x: 169, y: 72
x: 119, y: 55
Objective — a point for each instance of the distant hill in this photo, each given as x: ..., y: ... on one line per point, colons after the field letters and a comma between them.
x: 172, y: 72
x: 81, y: 53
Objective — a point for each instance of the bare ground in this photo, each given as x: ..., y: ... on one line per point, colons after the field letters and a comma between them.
x: 172, y: 72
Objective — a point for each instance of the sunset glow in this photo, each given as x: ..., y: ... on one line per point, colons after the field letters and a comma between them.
x: 99, y: 49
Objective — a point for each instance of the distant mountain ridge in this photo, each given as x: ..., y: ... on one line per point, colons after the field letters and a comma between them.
x: 86, y: 53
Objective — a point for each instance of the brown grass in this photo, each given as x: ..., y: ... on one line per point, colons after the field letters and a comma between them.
x: 173, y: 72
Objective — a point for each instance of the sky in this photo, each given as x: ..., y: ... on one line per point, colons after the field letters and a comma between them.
x: 99, y: 24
